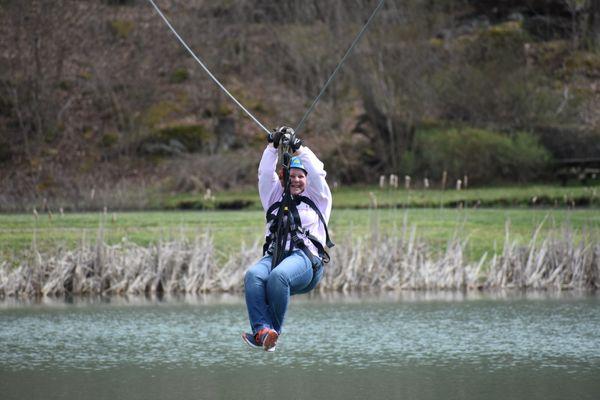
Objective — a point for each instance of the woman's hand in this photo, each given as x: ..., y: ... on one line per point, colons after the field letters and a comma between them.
x: 274, y: 138
x: 295, y: 143
x: 285, y: 136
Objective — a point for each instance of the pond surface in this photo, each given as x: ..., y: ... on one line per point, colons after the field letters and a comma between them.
x: 401, y: 346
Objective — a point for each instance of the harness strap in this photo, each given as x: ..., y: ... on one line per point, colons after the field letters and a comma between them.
x: 294, y: 226
x: 312, y: 205
x: 281, y: 230
x: 270, y: 217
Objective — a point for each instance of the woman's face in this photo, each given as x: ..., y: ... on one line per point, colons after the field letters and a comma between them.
x: 297, y: 181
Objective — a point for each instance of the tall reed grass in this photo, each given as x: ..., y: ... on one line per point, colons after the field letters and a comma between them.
x: 563, y: 260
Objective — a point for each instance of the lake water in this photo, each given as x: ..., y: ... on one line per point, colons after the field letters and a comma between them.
x: 411, y: 345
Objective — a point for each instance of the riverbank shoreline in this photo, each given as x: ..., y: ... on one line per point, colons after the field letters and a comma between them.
x: 401, y: 260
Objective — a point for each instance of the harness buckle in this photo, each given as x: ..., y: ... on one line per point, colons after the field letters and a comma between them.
x: 298, y: 242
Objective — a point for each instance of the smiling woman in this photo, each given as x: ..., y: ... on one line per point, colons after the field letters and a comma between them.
x: 297, y: 177
x: 298, y: 205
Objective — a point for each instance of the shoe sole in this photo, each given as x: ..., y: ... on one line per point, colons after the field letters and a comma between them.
x: 270, y: 341
x: 250, y: 344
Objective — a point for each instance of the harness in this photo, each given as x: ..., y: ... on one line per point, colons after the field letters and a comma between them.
x: 286, y: 222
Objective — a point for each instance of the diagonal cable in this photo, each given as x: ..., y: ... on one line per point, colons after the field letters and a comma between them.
x: 223, y: 88
x: 337, y: 68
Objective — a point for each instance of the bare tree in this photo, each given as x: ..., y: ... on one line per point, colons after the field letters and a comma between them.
x: 392, y: 76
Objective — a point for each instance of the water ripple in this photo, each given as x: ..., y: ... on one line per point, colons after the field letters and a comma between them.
x: 491, y: 334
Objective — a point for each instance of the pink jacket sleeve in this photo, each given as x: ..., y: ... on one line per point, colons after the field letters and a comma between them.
x: 269, y: 187
x: 317, y: 188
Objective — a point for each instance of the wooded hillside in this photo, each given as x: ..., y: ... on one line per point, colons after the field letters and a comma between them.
x: 100, y: 105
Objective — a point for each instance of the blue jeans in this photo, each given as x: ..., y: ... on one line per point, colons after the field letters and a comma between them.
x: 268, y: 291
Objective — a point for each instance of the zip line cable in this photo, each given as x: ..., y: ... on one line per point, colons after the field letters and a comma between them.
x: 205, y: 68
x: 224, y: 89
x: 337, y: 68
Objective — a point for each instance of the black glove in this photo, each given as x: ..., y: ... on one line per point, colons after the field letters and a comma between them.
x: 275, y: 137
x: 294, y: 143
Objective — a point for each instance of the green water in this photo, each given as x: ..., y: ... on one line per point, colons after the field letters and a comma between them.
x: 406, y: 346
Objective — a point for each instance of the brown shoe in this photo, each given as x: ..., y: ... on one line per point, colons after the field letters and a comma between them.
x: 269, y: 340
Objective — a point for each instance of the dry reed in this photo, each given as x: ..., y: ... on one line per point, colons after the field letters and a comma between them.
x: 396, y: 261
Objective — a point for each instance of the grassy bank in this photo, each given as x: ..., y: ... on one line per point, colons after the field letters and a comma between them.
x: 483, y: 229
x: 531, y: 196
x: 512, y: 196
x: 375, y: 261
x: 135, y: 198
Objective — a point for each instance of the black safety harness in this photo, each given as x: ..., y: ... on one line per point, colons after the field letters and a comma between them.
x: 286, y: 222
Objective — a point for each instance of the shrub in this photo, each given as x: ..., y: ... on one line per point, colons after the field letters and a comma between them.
x: 352, y: 160
x: 109, y: 139
x: 501, y: 43
x: 121, y: 28
x: 179, y: 75
x: 483, y: 155
x: 159, y: 112
x: 220, y: 171
x: 176, y: 139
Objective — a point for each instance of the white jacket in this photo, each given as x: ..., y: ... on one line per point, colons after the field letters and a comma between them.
x: 317, y: 189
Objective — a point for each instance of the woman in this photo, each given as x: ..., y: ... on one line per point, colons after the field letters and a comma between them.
x: 268, y: 289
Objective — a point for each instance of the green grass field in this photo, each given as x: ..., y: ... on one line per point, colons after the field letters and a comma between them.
x: 484, y: 228
x: 437, y: 215
x: 515, y: 196
x: 364, y: 197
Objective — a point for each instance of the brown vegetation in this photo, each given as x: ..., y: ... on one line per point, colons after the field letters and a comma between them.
x: 400, y: 261
x: 98, y: 94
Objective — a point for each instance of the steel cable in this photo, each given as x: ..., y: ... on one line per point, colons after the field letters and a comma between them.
x: 337, y: 68
x: 205, y: 67
x: 317, y: 98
